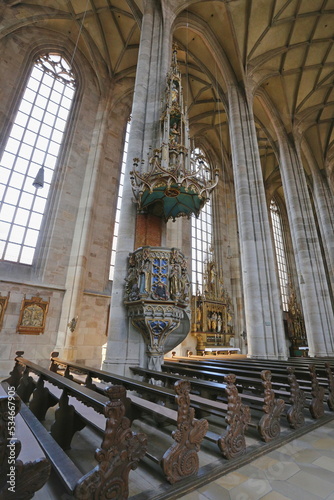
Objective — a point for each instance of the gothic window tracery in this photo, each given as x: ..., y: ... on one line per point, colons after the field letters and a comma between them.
x: 119, y: 202
x: 280, y: 252
x: 30, y: 155
x: 201, y: 237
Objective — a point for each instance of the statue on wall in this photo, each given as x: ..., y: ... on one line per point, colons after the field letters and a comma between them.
x: 213, y: 322
x: 175, y: 92
x: 219, y: 323
x: 185, y: 285
x: 145, y: 278
x: 174, y: 279
x: 73, y: 324
x: 296, y: 325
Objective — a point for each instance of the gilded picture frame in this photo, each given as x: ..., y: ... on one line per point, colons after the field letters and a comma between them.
x: 3, y: 306
x: 33, y: 316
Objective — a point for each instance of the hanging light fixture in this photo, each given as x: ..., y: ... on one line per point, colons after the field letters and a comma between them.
x: 39, y: 179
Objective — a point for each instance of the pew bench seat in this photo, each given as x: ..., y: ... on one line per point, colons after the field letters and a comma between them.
x: 63, y: 466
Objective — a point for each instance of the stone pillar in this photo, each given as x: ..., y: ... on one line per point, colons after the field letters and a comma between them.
x: 125, y: 346
x: 67, y: 335
x: 262, y: 301
x: 324, y: 206
x: 314, y: 292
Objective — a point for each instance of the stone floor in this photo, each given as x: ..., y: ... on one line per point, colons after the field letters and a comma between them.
x: 302, y: 469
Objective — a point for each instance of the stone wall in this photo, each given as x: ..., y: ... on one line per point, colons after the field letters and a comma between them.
x: 35, y: 347
x: 71, y: 268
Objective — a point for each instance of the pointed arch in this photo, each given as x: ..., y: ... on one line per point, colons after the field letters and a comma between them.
x: 30, y: 154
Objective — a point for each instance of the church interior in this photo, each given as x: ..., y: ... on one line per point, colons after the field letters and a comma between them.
x: 166, y: 228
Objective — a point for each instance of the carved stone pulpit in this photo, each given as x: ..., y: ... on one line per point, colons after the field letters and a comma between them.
x: 157, y: 296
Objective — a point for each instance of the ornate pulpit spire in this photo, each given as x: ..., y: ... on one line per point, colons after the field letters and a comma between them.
x: 172, y: 182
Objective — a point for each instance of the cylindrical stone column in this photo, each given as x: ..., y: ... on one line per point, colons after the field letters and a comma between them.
x: 314, y: 291
x: 262, y: 301
x: 324, y: 206
x: 125, y: 346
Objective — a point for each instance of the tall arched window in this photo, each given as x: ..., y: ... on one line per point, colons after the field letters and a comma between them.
x: 280, y: 253
x: 30, y: 155
x: 119, y: 203
x: 201, y: 241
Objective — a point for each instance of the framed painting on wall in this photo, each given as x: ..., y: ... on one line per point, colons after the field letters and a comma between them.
x: 3, y: 306
x: 32, y: 316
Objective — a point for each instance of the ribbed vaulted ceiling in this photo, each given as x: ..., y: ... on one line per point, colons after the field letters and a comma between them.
x: 281, y: 49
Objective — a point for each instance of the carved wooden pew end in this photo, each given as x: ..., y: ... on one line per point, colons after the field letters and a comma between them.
x: 181, y: 459
x: 269, y: 425
x: 120, y: 451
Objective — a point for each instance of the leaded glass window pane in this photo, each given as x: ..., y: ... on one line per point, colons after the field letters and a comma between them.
x: 280, y: 253
x: 33, y: 143
x: 201, y: 237
x: 119, y: 203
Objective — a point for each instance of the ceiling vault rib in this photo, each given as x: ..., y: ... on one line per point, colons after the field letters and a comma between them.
x: 323, y: 64
x: 303, y: 65
x: 328, y: 141
x: 283, y: 48
x: 291, y: 30
x: 246, y: 41
x: 282, y: 9
x: 303, y: 15
x: 84, y: 32
x: 266, y: 56
x: 103, y: 38
x: 126, y: 46
x: 117, y: 27
x: 314, y: 89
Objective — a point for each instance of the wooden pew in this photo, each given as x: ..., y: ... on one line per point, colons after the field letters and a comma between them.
x: 301, y: 369
x: 244, y: 369
x: 247, y: 379
x: 237, y: 415
x: 178, y: 462
x: 209, y: 389
x: 292, y: 394
x: 271, y: 408
x: 120, y: 451
x: 295, y: 415
x: 18, y: 479
x: 277, y: 367
x: 309, y: 380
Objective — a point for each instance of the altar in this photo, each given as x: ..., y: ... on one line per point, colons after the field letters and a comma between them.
x: 212, y: 314
x: 221, y: 350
